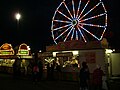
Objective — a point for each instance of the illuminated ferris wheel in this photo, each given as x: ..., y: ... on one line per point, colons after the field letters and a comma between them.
x: 84, y: 20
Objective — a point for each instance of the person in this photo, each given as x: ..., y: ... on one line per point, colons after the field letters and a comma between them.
x: 35, y: 73
x: 53, y: 64
x: 48, y: 71
x: 84, y: 76
x: 29, y: 69
x: 40, y: 73
x: 97, y: 78
x: 15, y: 69
x: 59, y: 72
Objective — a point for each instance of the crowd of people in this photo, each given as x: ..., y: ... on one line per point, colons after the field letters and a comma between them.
x: 84, y: 74
x: 51, y: 68
x: 36, y: 69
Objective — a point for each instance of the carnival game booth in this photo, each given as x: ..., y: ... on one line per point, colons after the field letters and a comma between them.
x: 71, y: 54
x: 8, y: 56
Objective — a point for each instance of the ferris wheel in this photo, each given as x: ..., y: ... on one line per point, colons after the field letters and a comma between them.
x: 84, y: 20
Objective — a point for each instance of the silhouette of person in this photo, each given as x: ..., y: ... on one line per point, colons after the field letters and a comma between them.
x: 97, y: 78
x: 59, y: 72
x: 48, y: 70
x: 52, y: 69
x: 40, y: 65
x: 15, y: 69
x: 35, y: 73
x: 84, y: 76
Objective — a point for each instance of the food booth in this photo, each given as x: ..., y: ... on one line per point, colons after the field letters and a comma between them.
x: 8, y: 55
x: 71, y: 54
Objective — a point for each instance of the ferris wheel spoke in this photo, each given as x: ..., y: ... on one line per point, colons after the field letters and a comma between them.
x: 72, y: 33
x: 67, y: 9
x: 93, y: 25
x: 61, y: 27
x: 93, y: 17
x: 63, y: 33
x: 73, y: 8
x: 68, y: 34
x: 83, y: 9
x: 90, y: 10
x: 64, y: 15
x: 78, y: 9
x: 62, y: 21
x: 82, y: 34
x: 76, y: 35
x: 89, y: 32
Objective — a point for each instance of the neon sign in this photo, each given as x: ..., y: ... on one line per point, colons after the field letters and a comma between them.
x: 6, y: 49
x: 23, y: 49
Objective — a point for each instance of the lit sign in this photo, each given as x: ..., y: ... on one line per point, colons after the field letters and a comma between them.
x: 6, y: 52
x: 23, y: 52
x: 64, y: 54
x: 23, y: 49
x: 6, y: 49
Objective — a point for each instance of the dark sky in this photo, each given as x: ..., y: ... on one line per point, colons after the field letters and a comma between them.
x: 34, y: 26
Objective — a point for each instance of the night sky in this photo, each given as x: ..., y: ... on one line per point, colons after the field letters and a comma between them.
x: 35, y: 24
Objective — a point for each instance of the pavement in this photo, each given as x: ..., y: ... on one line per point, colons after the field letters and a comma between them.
x: 7, y: 82
x: 114, y: 83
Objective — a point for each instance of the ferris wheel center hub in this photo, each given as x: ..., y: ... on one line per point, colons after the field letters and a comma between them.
x: 74, y: 22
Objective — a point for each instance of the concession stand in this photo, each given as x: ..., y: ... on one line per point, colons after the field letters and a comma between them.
x: 71, y: 54
x: 8, y: 55
x: 25, y: 58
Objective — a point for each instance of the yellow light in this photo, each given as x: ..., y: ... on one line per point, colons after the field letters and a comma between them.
x: 75, y: 52
x: 28, y: 47
x: 17, y: 16
x: 108, y: 51
x: 54, y: 54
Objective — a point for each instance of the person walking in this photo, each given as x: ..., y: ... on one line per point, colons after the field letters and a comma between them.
x: 15, y: 69
x: 59, y: 71
x: 84, y: 76
x: 97, y: 78
x: 48, y: 71
x: 40, y: 65
x: 35, y: 73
